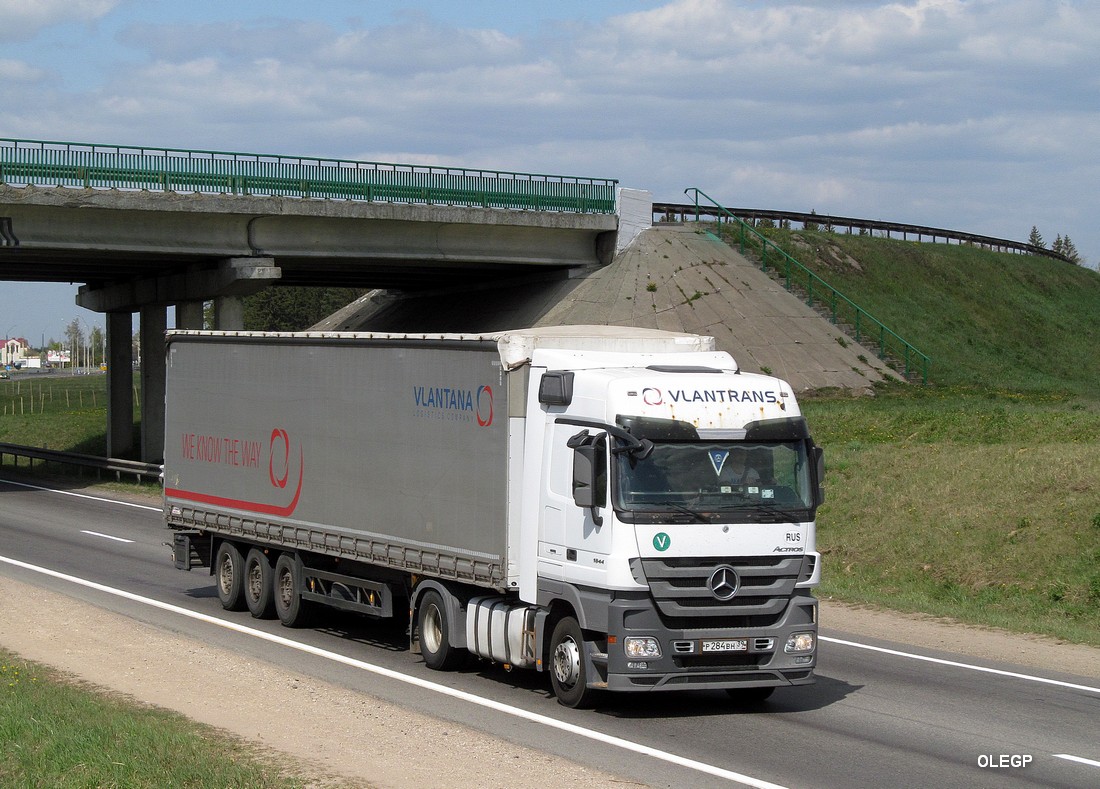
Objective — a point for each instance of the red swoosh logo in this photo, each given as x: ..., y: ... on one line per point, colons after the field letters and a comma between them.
x: 238, y: 504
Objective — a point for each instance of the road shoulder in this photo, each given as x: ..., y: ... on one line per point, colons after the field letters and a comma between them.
x: 966, y: 641
x: 347, y: 738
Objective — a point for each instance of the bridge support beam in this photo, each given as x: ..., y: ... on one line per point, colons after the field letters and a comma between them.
x: 154, y: 322
x: 189, y: 315
x: 120, y: 385
x: 233, y: 277
x: 228, y: 313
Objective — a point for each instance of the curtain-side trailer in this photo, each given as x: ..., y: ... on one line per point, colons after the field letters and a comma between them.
x: 621, y: 508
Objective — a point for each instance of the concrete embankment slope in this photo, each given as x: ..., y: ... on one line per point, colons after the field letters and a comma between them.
x: 672, y: 277
x: 680, y: 278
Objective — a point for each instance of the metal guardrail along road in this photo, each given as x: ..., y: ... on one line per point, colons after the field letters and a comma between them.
x: 753, y: 215
x: 88, y: 165
x: 117, y: 466
x: 841, y: 310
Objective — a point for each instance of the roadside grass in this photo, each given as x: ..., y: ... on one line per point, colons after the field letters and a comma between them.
x: 979, y: 506
x: 61, y: 735
x: 59, y: 411
x: 28, y: 392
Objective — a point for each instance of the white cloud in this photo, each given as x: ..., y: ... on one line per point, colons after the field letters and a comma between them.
x: 21, y: 19
x: 17, y: 71
x: 232, y: 41
x: 419, y: 47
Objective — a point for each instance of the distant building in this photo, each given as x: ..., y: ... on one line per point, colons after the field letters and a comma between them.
x: 14, y: 351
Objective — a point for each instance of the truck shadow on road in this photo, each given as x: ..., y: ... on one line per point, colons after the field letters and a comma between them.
x: 673, y: 704
x: 692, y: 704
x: 389, y: 635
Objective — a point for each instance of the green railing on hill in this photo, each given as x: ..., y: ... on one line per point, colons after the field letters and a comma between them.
x: 84, y: 165
x: 866, y: 328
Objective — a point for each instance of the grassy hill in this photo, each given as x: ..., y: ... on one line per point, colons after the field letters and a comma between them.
x: 1012, y: 321
x: 977, y: 497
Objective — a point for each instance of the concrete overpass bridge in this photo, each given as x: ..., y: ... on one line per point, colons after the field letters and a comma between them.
x: 143, y: 230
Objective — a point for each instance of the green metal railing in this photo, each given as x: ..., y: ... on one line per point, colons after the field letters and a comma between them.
x: 84, y: 165
x: 866, y: 328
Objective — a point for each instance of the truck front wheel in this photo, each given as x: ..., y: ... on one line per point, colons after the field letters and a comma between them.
x: 291, y: 609
x: 435, y: 634
x: 229, y: 576
x: 258, y: 585
x: 568, y: 670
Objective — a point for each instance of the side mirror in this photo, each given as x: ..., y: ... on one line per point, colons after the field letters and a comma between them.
x: 819, y: 461
x: 589, y: 473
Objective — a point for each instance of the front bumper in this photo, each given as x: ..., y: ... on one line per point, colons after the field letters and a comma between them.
x: 685, y: 665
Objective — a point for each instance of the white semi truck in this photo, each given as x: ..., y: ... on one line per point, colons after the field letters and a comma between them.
x: 620, y: 508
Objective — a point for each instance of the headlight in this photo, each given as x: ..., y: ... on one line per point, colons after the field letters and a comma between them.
x: 642, y: 647
x: 799, y: 642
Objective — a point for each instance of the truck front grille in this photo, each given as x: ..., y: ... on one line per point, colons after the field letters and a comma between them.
x: 680, y: 590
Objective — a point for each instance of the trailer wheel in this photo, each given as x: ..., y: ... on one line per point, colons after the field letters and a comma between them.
x: 229, y: 576
x: 291, y: 609
x: 259, y: 587
x: 568, y: 671
x: 435, y: 630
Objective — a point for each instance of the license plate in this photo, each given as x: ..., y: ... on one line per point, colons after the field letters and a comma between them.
x: 726, y: 645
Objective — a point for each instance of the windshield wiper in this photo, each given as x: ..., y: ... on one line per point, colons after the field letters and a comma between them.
x: 721, y: 502
x: 759, y: 507
x: 684, y: 509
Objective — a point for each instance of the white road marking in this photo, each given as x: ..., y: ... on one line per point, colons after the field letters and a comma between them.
x: 83, y: 496
x: 533, y: 717
x: 104, y: 536
x: 956, y: 664
x: 1071, y: 758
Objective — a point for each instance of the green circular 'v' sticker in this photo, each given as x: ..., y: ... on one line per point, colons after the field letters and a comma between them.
x: 661, y: 541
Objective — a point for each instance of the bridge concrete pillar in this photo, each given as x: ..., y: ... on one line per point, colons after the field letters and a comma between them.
x: 189, y: 315
x: 229, y: 313
x: 120, y: 384
x: 154, y: 322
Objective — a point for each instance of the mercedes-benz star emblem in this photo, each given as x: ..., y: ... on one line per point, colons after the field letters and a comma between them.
x: 724, y: 583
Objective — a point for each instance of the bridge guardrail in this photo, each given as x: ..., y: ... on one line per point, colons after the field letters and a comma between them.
x: 88, y: 165
x: 841, y: 309
x: 751, y: 215
x: 117, y: 466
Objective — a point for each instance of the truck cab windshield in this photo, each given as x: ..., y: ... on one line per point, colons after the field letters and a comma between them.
x: 731, y: 480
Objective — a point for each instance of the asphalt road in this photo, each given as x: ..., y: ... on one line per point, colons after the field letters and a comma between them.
x: 877, y: 716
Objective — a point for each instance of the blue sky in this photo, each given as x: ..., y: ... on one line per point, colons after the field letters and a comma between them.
x: 979, y: 115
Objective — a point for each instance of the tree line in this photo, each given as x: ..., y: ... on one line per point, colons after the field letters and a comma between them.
x: 1062, y: 245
